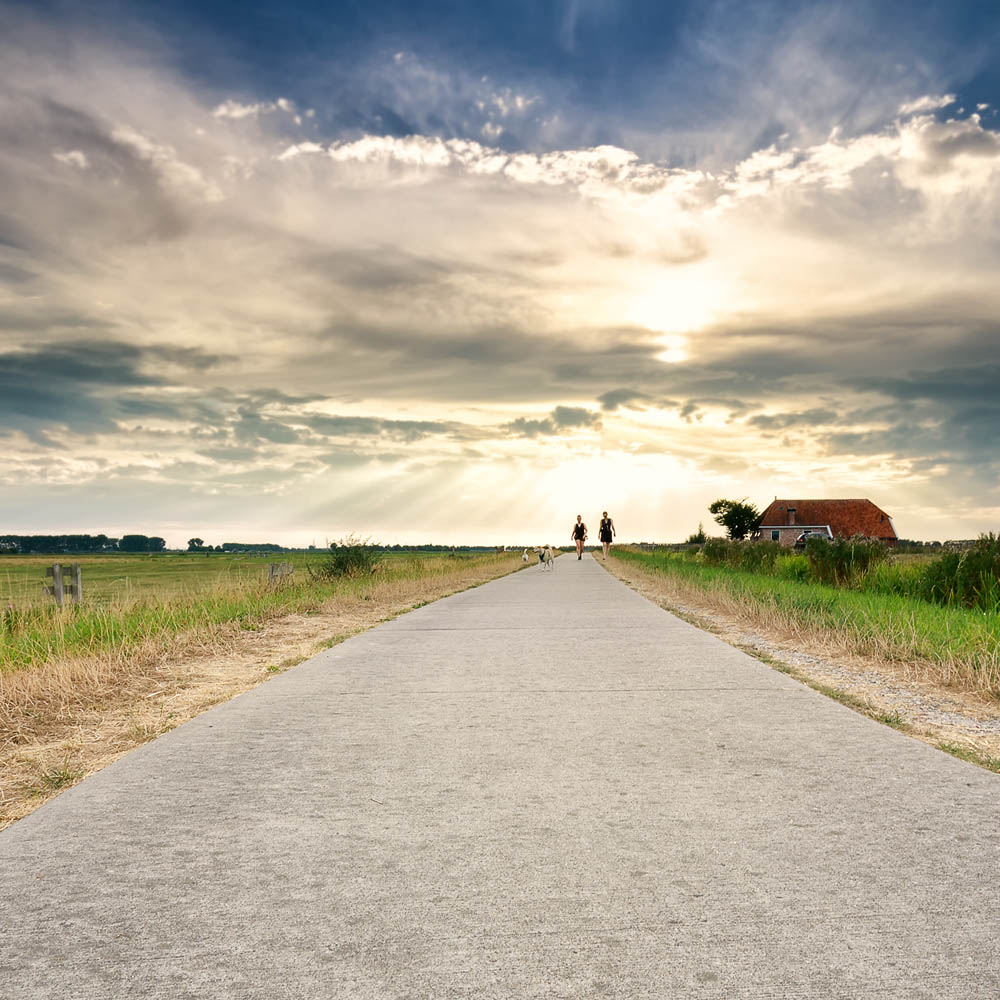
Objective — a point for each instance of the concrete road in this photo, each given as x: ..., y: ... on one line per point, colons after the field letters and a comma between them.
x: 544, y: 787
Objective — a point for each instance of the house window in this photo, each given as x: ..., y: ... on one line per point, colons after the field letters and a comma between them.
x: 775, y: 534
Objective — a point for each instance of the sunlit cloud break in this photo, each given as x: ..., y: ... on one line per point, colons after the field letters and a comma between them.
x: 226, y: 312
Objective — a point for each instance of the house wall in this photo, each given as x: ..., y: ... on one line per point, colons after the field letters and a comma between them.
x: 786, y: 533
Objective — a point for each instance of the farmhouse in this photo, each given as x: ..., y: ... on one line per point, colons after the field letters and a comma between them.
x: 785, y: 520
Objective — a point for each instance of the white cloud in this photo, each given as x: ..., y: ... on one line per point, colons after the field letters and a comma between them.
x: 926, y: 103
x: 439, y: 279
x: 236, y: 110
x: 176, y: 173
x: 299, y: 148
x: 74, y: 158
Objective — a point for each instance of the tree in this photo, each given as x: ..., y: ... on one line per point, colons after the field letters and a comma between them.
x: 196, y: 544
x: 699, y: 537
x: 738, y: 517
x: 138, y: 543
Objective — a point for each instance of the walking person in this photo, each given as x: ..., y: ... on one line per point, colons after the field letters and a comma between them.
x: 606, y: 532
x: 579, y: 535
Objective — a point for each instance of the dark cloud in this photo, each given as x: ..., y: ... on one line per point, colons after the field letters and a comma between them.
x: 10, y: 274
x: 120, y: 196
x: 575, y: 416
x: 965, y: 383
x: 611, y: 400
x: 523, y: 427
x: 86, y: 386
x: 803, y: 418
x: 253, y: 427
x: 405, y: 430
x: 379, y: 270
x: 562, y: 418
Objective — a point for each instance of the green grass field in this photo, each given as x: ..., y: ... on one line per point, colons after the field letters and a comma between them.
x: 132, y: 599
x: 116, y: 578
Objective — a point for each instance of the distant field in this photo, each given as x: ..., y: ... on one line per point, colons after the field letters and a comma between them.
x: 123, y: 577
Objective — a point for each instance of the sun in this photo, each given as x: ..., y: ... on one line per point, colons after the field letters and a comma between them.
x: 675, y: 304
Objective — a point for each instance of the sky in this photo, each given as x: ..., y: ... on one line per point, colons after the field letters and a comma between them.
x: 442, y: 272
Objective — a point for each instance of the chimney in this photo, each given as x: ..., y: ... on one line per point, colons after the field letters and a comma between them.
x: 791, y: 515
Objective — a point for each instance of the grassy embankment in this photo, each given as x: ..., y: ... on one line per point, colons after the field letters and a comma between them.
x: 878, y: 618
x: 130, y: 601
x: 160, y: 638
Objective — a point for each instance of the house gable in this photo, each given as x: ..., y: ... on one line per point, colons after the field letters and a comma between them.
x: 845, y: 517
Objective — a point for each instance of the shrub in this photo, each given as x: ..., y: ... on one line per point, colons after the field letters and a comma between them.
x: 843, y: 562
x: 758, y: 557
x: 970, y: 578
x: 793, y: 566
x: 752, y: 557
x: 351, y: 556
x: 715, y: 551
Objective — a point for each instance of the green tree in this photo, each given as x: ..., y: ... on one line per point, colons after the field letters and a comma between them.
x: 196, y: 544
x: 138, y: 543
x: 698, y: 538
x: 738, y: 517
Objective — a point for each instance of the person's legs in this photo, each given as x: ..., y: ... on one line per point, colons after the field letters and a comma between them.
x: 607, y: 545
x: 579, y: 548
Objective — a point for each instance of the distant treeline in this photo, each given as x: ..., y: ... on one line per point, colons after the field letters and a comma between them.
x: 85, y: 544
x: 59, y: 544
x: 437, y: 548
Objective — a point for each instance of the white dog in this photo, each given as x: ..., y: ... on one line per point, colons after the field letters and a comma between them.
x: 546, y: 557
x: 525, y: 558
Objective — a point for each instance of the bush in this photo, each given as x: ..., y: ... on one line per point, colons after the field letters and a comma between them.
x: 351, y: 556
x: 843, y: 562
x: 715, y: 551
x: 793, y: 566
x: 752, y: 557
x: 970, y: 578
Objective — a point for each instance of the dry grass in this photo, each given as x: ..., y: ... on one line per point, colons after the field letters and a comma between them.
x: 911, y: 695
x: 71, y: 716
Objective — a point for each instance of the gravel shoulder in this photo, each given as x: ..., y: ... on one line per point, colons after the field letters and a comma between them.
x: 885, y: 691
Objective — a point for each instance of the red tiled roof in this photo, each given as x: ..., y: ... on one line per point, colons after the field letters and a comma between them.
x: 845, y: 517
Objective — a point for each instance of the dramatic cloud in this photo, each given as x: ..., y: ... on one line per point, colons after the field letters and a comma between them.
x: 239, y: 306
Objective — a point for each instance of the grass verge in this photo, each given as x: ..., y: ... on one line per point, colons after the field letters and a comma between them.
x: 951, y: 646
x: 895, y: 693
x: 971, y: 755
x: 76, y: 709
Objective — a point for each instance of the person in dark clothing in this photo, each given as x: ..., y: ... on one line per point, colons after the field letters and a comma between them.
x: 579, y: 535
x: 606, y: 532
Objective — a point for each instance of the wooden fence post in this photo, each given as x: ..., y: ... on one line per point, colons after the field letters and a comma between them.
x: 56, y: 590
x: 60, y: 587
x: 275, y: 571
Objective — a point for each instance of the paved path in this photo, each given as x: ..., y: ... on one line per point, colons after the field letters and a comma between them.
x: 544, y: 787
